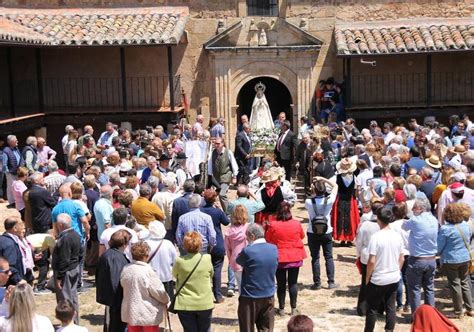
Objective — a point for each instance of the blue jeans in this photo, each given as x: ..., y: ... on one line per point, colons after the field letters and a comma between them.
x: 403, y: 282
x: 315, y: 242
x: 217, y: 263
x: 420, y: 274
x: 230, y: 278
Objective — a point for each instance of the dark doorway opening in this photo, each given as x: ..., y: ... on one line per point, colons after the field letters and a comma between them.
x: 277, y: 94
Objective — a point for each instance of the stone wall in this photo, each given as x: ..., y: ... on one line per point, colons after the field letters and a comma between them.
x: 193, y: 63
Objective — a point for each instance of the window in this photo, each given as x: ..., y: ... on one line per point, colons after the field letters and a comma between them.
x: 262, y: 7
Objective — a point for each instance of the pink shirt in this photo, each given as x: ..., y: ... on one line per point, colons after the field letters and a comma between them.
x: 235, y: 240
x: 18, y: 187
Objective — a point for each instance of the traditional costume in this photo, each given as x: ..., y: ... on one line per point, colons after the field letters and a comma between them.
x: 345, y: 213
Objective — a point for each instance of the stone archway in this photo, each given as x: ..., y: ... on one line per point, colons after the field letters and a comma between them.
x: 233, y: 71
x: 277, y: 94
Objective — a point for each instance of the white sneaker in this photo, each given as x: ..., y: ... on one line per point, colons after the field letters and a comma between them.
x: 230, y: 293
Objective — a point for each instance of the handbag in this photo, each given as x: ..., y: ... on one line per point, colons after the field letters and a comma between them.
x: 171, y: 307
x: 471, y: 263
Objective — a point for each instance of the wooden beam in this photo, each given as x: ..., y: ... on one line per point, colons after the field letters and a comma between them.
x: 349, y: 83
x: 171, y: 77
x: 123, y: 75
x: 429, y: 81
x: 10, y: 82
x: 39, y: 78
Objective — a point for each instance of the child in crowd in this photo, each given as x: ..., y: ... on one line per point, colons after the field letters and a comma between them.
x: 65, y: 313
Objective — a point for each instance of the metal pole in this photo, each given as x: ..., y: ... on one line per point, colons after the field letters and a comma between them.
x: 10, y: 83
x: 39, y: 77
x: 429, y: 97
x: 123, y: 76
x: 171, y: 78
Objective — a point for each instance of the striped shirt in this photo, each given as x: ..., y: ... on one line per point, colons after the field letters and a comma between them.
x: 195, y: 220
x: 53, y: 181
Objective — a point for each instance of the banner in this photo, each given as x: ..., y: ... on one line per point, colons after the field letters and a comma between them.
x: 196, y: 151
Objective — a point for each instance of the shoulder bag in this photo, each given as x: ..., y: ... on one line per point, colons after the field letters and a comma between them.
x: 156, y: 251
x: 171, y: 307
x: 471, y: 263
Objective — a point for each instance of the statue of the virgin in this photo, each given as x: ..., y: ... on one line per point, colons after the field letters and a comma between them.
x: 261, y: 117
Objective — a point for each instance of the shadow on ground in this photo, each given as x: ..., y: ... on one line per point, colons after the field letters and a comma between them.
x: 94, y: 319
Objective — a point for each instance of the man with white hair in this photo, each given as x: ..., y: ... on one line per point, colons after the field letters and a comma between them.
x: 54, y: 179
x: 45, y: 154
x: 88, y: 132
x: 105, y: 139
x: 64, y: 143
x: 195, y: 220
x: 103, y: 210
x: 13, y: 159
x: 423, y: 246
x: 66, y: 258
x: 197, y: 127
x: 41, y: 202
x: 218, y: 130
x: 151, y: 166
x: 164, y: 200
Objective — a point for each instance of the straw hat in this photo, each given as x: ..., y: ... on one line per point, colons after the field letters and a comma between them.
x: 278, y: 170
x: 345, y: 166
x: 270, y: 175
x: 434, y: 161
x: 459, y: 149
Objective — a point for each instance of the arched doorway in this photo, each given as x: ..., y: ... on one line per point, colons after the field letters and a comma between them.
x: 277, y: 94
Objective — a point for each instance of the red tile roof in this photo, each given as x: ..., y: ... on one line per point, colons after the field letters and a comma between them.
x: 93, y: 26
x: 404, y: 36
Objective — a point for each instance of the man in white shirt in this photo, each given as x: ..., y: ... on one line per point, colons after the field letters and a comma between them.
x: 383, y: 271
x: 323, y: 206
x: 119, y: 218
x: 364, y: 234
x: 165, y: 198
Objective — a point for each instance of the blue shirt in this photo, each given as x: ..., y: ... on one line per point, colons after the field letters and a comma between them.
x: 195, y: 220
x: 251, y: 206
x: 422, y: 241
x: 259, y: 261
x: 451, y: 246
x: 75, y: 211
x: 218, y: 218
x: 103, y: 214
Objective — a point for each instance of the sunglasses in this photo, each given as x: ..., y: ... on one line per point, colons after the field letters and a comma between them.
x: 5, y: 271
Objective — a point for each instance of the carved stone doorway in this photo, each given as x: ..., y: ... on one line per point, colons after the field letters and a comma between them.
x: 277, y: 94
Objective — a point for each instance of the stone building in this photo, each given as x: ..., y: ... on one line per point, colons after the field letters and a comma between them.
x: 147, y: 61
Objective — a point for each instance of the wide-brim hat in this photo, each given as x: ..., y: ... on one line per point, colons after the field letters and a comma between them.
x: 278, y: 170
x: 164, y: 157
x: 181, y: 156
x: 459, y: 149
x: 269, y: 176
x: 345, y: 166
x: 434, y: 161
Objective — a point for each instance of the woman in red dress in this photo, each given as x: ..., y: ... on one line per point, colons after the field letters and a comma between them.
x: 345, y: 213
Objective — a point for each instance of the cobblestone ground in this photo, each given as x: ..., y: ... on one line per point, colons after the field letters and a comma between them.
x: 331, y: 310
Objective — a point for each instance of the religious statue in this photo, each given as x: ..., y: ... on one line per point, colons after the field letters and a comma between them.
x: 262, y: 40
x: 261, y: 117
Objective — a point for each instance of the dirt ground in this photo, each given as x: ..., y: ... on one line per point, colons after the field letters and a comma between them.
x: 331, y: 310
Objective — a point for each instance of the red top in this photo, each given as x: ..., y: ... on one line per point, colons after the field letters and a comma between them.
x: 428, y: 319
x: 287, y: 236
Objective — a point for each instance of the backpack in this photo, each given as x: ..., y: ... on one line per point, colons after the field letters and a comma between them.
x: 319, y: 223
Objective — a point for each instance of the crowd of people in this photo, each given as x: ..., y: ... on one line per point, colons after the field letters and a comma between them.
x: 127, y: 210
